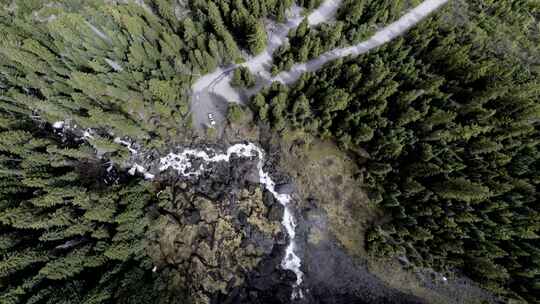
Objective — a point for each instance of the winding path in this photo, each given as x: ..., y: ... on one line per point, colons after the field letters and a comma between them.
x: 383, y: 36
x: 214, y: 88
x: 213, y: 91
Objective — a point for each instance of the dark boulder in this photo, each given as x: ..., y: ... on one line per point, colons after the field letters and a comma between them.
x: 268, y: 199
x: 276, y: 212
x: 286, y: 188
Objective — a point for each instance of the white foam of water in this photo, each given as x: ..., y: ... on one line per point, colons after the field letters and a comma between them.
x: 87, y: 134
x: 58, y: 125
x: 138, y: 168
x: 182, y: 163
x: 126, y: 144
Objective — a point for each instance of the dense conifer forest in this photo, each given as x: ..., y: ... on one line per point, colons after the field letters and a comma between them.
x: 448, y: 116
x: 72, y: 222
x: 444, y: 121
x: 355, y: 22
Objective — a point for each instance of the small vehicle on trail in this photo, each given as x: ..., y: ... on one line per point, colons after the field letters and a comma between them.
x: 211, y: 119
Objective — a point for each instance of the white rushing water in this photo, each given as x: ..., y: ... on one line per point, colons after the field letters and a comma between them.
x: 182, y: 163
x: 58, y: 124
x: 136, y: 168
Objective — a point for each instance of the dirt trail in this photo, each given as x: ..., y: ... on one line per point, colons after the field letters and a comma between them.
x: 215, y: 87
x: 383, y: 36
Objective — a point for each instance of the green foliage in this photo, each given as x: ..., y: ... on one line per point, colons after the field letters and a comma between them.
x: 122, y: 68
x: 451, y: 129
x: 256, y: 38
x: 235, y: 113
x: 242, y: 77
x: 356, y: 21
x: 448, y: 116
x: 107, y: 70
x: 461, y: 189
x: 51, y: 250
x: 103, y: 69
x: 309, y: 4
x: 241, y: 21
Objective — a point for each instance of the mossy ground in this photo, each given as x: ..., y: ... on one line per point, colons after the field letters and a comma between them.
x: 331, y: 178
x: 242, y: 129
x: 324, y: 173
x: 455, y: 290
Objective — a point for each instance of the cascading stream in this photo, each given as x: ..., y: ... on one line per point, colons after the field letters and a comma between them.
x: 183, y: 165
x: 218, y: 83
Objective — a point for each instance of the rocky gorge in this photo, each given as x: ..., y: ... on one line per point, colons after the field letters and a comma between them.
x: 230, y: 212
x: 222, y: 235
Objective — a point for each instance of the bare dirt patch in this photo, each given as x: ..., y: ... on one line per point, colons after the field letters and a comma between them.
x: 327, y: 175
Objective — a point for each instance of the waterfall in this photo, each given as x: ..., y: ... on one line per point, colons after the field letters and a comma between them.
x: 183, y: 165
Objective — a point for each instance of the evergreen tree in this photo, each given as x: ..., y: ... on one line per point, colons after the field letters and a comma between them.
x: 451, y: 130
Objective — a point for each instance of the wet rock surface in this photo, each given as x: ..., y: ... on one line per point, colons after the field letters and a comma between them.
x: 220, y: 240
x: 212, y: 246
x: 266, y: 283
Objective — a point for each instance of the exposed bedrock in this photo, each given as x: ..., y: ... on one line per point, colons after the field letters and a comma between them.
x: 220, y: 238
x: 212, y: 245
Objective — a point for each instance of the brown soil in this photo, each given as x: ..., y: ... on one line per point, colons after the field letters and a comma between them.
x: 328, y: 175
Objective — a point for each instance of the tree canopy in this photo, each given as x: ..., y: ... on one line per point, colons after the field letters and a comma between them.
x: 451, y: 127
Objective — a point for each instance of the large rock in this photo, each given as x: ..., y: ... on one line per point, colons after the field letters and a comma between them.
x: 276, y: 212
x: 214, y: 244
x: 268, y: 199
x: 286, y: 188
x: 267, y: 283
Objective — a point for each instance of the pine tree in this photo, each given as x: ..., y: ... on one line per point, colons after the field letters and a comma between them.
x: 256, y: 37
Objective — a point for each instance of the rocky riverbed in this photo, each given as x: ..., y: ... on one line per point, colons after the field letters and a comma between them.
x: 212, y: 245
x: 220, y: 234
x: 192, y: 163
x: 220, y: 238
